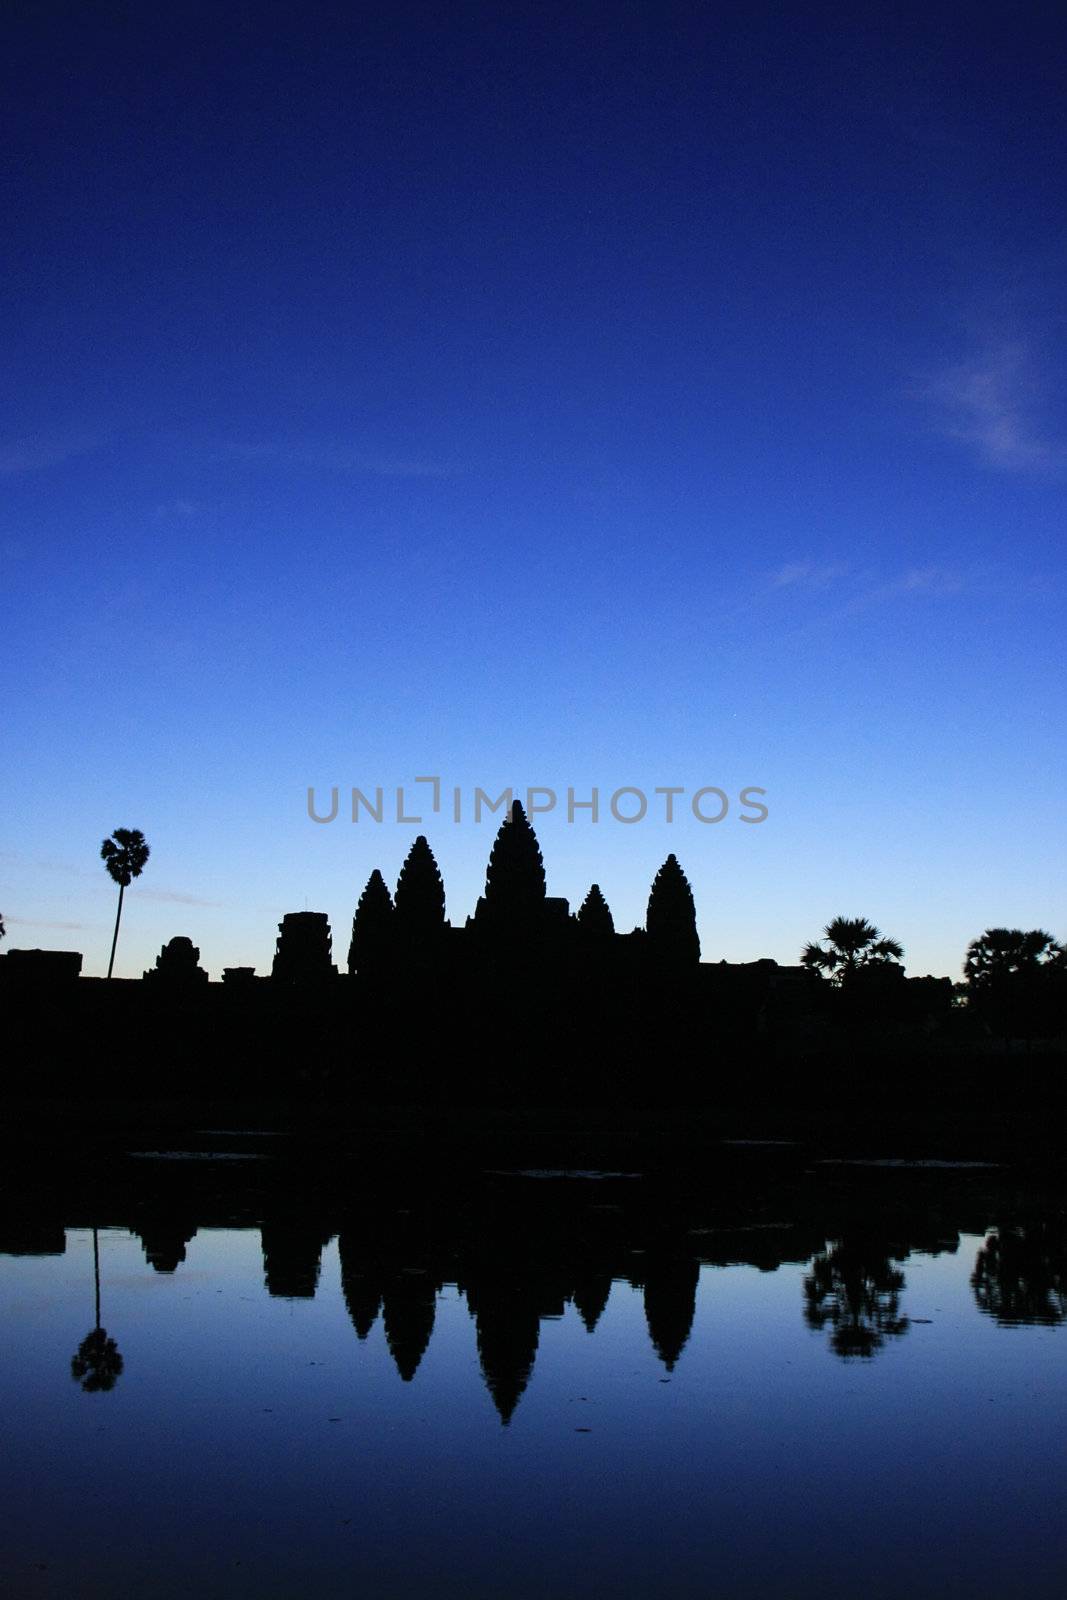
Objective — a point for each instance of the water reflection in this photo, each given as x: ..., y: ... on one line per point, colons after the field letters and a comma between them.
x: 350, y: 1383
x: 521, y: 1253
x: 394, y: 1268
x: 360, y: 1284
x: 408, y: 1315
x: 590, y: 1296
x: 669, y: 1283
x: 1020, y: 1274
x: 96, y: 1364
x: 854, y: 1290
x: 292, y: 1255
x: 506, y: 1308
x: 164, y: 1240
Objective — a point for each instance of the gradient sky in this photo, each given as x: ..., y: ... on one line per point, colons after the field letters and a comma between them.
x: 629, y: 394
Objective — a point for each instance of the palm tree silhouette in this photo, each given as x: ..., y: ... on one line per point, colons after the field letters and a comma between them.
x: 853, y: 942
x: 1013, y: 978
x: 96, y: 1364
x: 1002, y: 952
x: 124, y: 856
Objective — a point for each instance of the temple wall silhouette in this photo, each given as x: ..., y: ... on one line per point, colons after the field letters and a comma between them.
x: 524, y: 1001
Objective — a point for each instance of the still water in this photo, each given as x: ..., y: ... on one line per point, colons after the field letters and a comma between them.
x: 548, y: 1387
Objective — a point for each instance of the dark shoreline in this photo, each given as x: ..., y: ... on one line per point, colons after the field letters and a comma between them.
x: 1023, y: 1131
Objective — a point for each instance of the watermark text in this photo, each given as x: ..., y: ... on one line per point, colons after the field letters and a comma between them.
x: 628, y: 804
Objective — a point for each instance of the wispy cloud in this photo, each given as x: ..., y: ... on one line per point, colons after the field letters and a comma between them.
x: 44, y: 864
x: 46, y: 450
x: 176, y: 898
x: 69, y: 869
x: 994, y: 403
x: 324, y: 456
x: 932, y: 582
x: 62, y: 927
x: 929, y: 580
x: 807, y: 575
x: 177, y: 510
x: 848, y: 592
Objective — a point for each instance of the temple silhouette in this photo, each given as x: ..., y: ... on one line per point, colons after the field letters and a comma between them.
x: 515, y: 923
x: 525, y: 1002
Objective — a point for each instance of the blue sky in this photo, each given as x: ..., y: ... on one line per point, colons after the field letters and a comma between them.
x: 567, y: 395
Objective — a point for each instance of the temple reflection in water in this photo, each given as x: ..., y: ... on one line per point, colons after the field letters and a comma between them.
x: 520, y: 1250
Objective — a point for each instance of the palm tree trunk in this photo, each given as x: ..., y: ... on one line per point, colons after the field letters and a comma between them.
x: 115, y: 940
x: 96, y: 1273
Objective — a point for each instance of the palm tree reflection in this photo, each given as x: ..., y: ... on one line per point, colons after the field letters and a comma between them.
x: 854, y: 1289
x: 97, y: 1364
x: 1020, y: 1274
